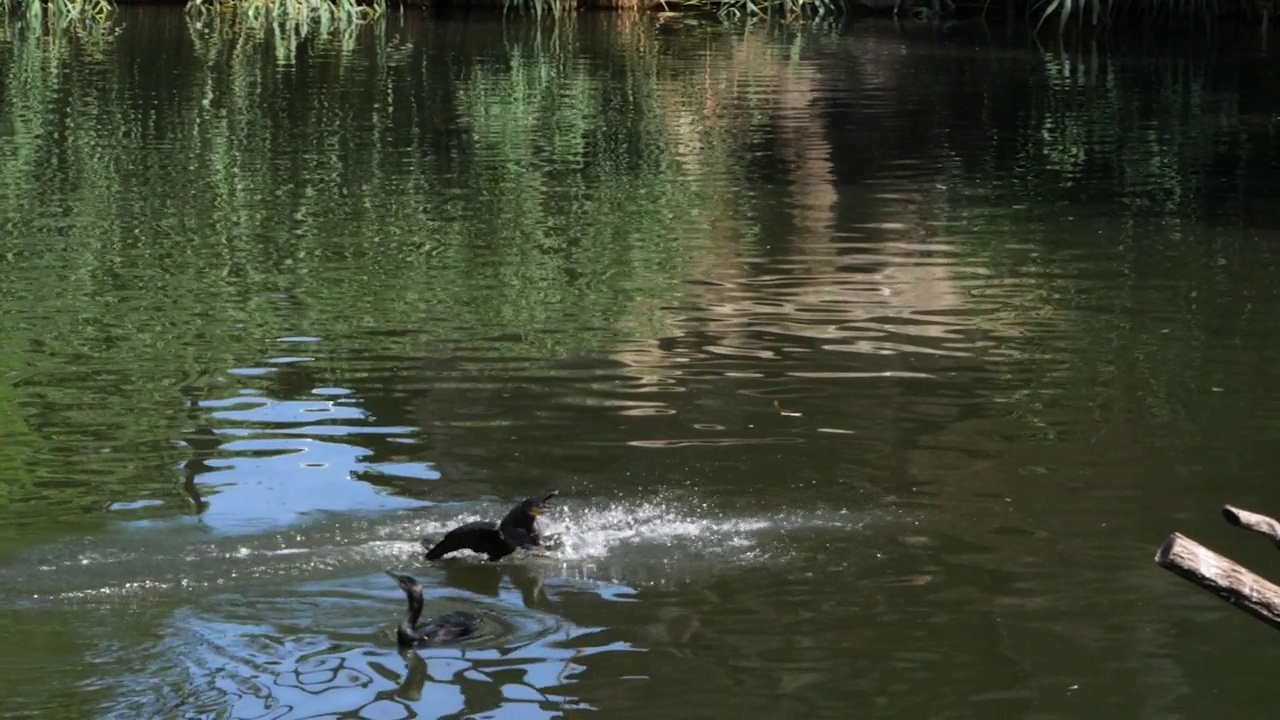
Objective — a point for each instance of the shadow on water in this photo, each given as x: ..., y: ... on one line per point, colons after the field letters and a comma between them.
x: 870, y: 368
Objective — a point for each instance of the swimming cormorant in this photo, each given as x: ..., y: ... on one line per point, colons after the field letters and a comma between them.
x: 519, y: 529
x: 436, y: 631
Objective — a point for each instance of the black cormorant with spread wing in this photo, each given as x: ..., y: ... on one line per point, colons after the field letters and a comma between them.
x: 519, y: 529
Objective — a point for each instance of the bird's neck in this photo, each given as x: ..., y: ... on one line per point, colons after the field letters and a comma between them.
x: 414, y: 611
x: 519, y: 526
x: 517, y: 519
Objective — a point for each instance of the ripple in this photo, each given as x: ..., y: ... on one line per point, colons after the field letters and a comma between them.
x: 328, y: 649
x: 882, y: 373
x: 318, y: 430
x: 298, y: 477
x: 290, y: 411
x: 251, y: 371
x: 712, y: 442
x: 289, y: 360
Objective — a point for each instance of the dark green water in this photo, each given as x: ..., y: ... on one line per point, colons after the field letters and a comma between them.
x: 872, y: 368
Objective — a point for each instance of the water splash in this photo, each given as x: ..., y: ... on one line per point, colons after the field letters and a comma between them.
x: 594, y: 542
x: 588, y: 533
x: 661, y: 541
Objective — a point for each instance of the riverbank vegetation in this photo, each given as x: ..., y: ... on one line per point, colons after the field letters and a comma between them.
x: 1064, y: 16
x: 325, y: 14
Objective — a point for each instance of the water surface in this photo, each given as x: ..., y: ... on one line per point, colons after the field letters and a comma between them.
x: 871, y: 365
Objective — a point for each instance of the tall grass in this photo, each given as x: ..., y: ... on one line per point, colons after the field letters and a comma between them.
x: 790, y: 10
x: 68, y: 14
x: 1201, y: 14
x: 299, y: 15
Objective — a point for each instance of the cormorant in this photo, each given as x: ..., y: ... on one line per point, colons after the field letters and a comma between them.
x: 519, y: 529
x: 436, y: 631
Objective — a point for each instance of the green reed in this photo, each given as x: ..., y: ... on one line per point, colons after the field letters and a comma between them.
x: 1200, y: 14
x: 788, y: 10
x: 323, y: 14
x: 72, y: 14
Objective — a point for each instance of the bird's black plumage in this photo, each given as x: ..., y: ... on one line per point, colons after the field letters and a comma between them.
x: 482, y: 536
x: 518, y: 529
x: 450, y: 627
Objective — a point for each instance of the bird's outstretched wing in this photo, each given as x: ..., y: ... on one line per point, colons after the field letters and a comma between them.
x: 479, y: 536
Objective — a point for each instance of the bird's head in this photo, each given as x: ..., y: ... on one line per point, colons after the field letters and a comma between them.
x: 536, y: 505
x: 406, y: 583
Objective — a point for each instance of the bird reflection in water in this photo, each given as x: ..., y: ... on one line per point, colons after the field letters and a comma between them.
x: 487, y: 580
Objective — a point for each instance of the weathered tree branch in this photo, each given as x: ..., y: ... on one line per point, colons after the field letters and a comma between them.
x: 1221, y: 576
x: 1256, y: 522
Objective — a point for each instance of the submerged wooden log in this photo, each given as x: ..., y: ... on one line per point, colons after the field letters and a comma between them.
x: 1221, y: 576
x: 1256, y: 522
